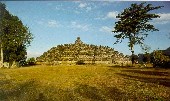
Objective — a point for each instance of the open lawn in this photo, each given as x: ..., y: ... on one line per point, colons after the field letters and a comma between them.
x: 84, y: 83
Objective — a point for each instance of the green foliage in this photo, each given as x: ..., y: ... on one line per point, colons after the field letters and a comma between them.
x: 22, y: 62
x: 134, y: 58
x: 31, y: 61
x: 14, y: 36
x: 18, y: 54
x: 146, y: 58
x: 134, y: 24
x: 160, y: 60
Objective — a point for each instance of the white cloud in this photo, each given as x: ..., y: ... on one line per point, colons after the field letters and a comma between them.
x: 75, y: 25
x: 59, y: 7
x: 88, y: 9
x: 48, y: 23
x: 109, y: 15
x: 82, y: 5
x: 112, y: 14
x: 164, y: 18
x: 76, y: 1
x: 77, y: 12
x: 52, y: 23
x: 106, y: 29
x: 85, y: 6
x: 40, y: 21
x: 100, y: 18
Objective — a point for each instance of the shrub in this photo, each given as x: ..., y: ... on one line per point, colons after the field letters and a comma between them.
x: 160, y: 60
x: 80, y: 62
x: 31, y: 61
x: 146, y: 58
x: 22, y: 62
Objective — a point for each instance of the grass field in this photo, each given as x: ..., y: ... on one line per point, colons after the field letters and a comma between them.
x: 84, y: 83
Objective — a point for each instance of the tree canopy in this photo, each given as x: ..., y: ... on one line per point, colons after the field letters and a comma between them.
x: 134, y: 24
x: 14, y: 36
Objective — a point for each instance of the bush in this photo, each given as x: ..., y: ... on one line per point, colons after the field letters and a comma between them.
x: 80, y: 62
x: 160, y: 60
x: 146, y: 58
x: 22, y: 62
x: 31, y: 61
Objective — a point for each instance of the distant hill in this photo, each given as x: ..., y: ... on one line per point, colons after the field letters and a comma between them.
x: 71, y: 53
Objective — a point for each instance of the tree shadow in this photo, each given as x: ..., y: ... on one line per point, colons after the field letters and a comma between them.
x: 125, y: 67
x: 57, y: 94
x: 115, y: 94
x: 156, y: 73
x: 95, y: 94
x: 41, y: 97
x: 25, y: 91
x: 131, y: 67
x: 3, y: 82
x: 89, y: 92
x: 118, y: 66
x: 31, y: 90
x: 159, y: 81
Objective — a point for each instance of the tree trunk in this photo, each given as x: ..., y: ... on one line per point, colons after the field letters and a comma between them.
x: 2, y: 57
x: 132, y: 49
x: 14, y: 64
x: 132, y: 59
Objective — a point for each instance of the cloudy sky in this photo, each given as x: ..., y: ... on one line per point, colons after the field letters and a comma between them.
x: 61, y: 22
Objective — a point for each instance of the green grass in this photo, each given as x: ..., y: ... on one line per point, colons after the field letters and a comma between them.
x: 84, y: 83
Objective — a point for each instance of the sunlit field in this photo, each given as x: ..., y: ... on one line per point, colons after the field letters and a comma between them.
x: 84, y: 83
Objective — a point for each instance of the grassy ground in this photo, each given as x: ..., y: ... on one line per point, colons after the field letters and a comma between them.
x: 84, y: 83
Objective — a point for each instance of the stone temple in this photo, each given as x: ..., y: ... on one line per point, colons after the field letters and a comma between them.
x: 89, y: 53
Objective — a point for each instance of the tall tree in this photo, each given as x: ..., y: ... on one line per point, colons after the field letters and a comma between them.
x: 14, y: 36
x: 134, y: 24
x: 3, y: 12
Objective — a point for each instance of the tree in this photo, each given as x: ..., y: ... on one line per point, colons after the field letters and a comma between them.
x: 159, y: 59
x: 3, y: 12
x: 146, y: 58
x: 134, y: 58
x: 134, y: 23
x: 31, y: 61
x: 14, y: 37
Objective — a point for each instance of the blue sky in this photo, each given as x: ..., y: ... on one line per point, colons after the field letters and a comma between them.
x: 61, y: 22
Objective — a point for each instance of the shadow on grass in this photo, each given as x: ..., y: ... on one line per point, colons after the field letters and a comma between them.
x: 127, y: 67
x: 27, y: 91
x: 89, y: 92
x: 116, y: 66
x: 115, y: 94
x: 159, y: 81
x: 156, y: 73
x: 31, y: 90
x: 103, y: 94
x: 131, y: 67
